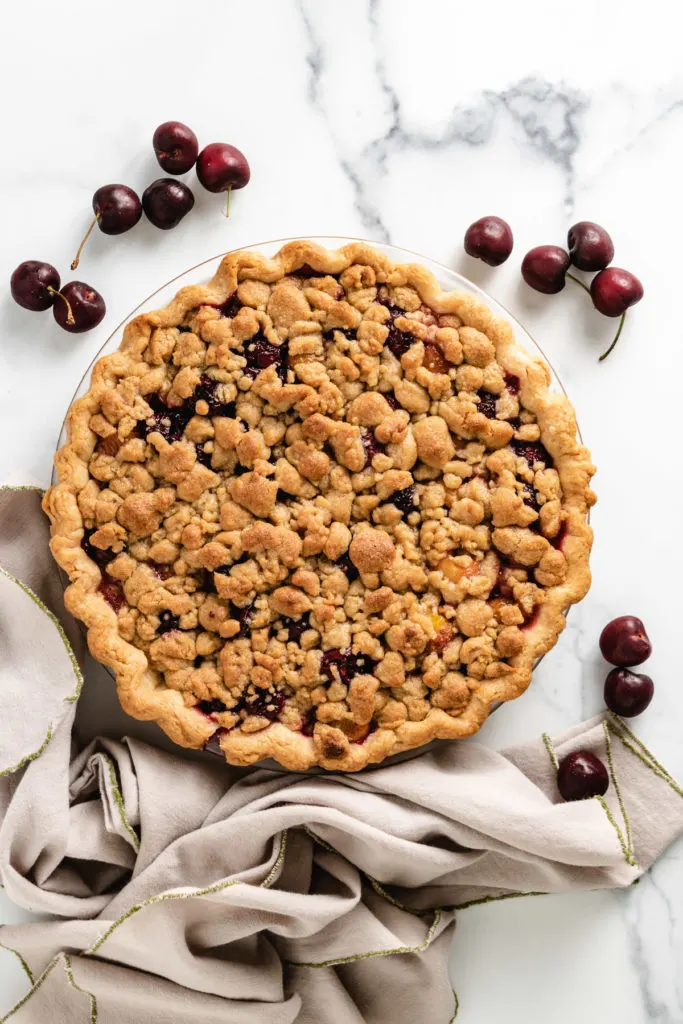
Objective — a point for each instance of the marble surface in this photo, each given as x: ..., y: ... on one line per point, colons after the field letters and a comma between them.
x: 403, y: 122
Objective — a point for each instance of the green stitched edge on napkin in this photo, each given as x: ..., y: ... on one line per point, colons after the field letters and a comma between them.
x: 206, y: 891
x: 118, y: 798
x: 639, y: 750
x: 68, y: 970
x: 457, y: 1007
x: 72, y: 658
x: 377, y: 952
x: 22, y: 487
x: 27, y: 970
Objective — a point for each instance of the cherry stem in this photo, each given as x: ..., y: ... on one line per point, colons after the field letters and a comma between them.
x: 571, y: 277
x: 227, y: 208
x: 621, y: 322
x: 80, y: 248
x: 69, y: 311
x: 616, y: 338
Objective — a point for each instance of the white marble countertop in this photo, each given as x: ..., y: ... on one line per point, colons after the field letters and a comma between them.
x: 404, y: 122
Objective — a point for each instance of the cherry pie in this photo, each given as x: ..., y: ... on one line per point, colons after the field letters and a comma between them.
x: 320, y: 510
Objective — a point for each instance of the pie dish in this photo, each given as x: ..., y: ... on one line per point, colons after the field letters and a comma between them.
x: 320, y: 510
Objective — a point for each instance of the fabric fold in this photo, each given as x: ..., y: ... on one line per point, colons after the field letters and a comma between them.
x: 186, y: 891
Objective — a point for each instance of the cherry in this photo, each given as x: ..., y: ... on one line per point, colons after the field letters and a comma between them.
x: 489, y: 239
x: 624, y: 641
x: 590, y: 246
x: 166, y: 202
x: 628, y: 693
x: 81, y: 308
x: 221, y: 167
x: 176, y: 147
x: 117, y: 209
x: 34, y: 284
x: 614, y: 290
x: 582, y: 775
x: 544, y: 268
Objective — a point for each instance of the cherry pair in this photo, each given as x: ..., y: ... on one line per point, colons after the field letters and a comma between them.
x: 36, y: 286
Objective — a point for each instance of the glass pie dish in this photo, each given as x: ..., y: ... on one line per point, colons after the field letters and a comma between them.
x: 446, y: 278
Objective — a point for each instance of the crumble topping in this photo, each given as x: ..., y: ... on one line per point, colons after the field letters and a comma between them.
x: 323, y: 504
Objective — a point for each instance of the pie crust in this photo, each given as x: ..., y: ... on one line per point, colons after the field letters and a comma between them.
x: 321, y: 511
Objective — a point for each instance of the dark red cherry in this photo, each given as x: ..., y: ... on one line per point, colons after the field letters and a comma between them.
x: 590, y: 246
x: 628, y: 693
x: 221, y: 167
x: 614, y: 290
x: 544, y: 268
x: 79, y: 307
x: 489, y: 239
x: 176, y: 147
x: 166, y: 202
x: 625, y: 642
x: 582, y: 775
x: 33, y: 285
x: 117, y: 209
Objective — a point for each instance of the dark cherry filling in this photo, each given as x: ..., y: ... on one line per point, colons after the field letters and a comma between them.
x: 308, y: 723
x: 231, y: 306
x: 203, y: 457
x: 399, y: 341
x: 211, y: 707
x: 348, y: 664
x: 266, y: 705
x: 532, y: 451
x: 112, y: 591
x: 404, y: 500
x: 243, y: 615
x: 512, y: 382
x: 391, y: 400
x: 207, y: 391
x: 306, y: 270
x: 296, y: 627
x: 260, y: 354
x: 371, y: 446
x: 99, y: 556
x: 348, y: 332
x: 347, y: 567
x: 487, y: 404
x: 529, y: 498
x: 169, y: 421
x: 168, y: 622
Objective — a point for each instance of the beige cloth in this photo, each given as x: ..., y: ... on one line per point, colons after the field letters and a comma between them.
x: 191, y: 892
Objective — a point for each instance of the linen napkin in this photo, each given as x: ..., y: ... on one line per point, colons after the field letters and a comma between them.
x: 188, y: 891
